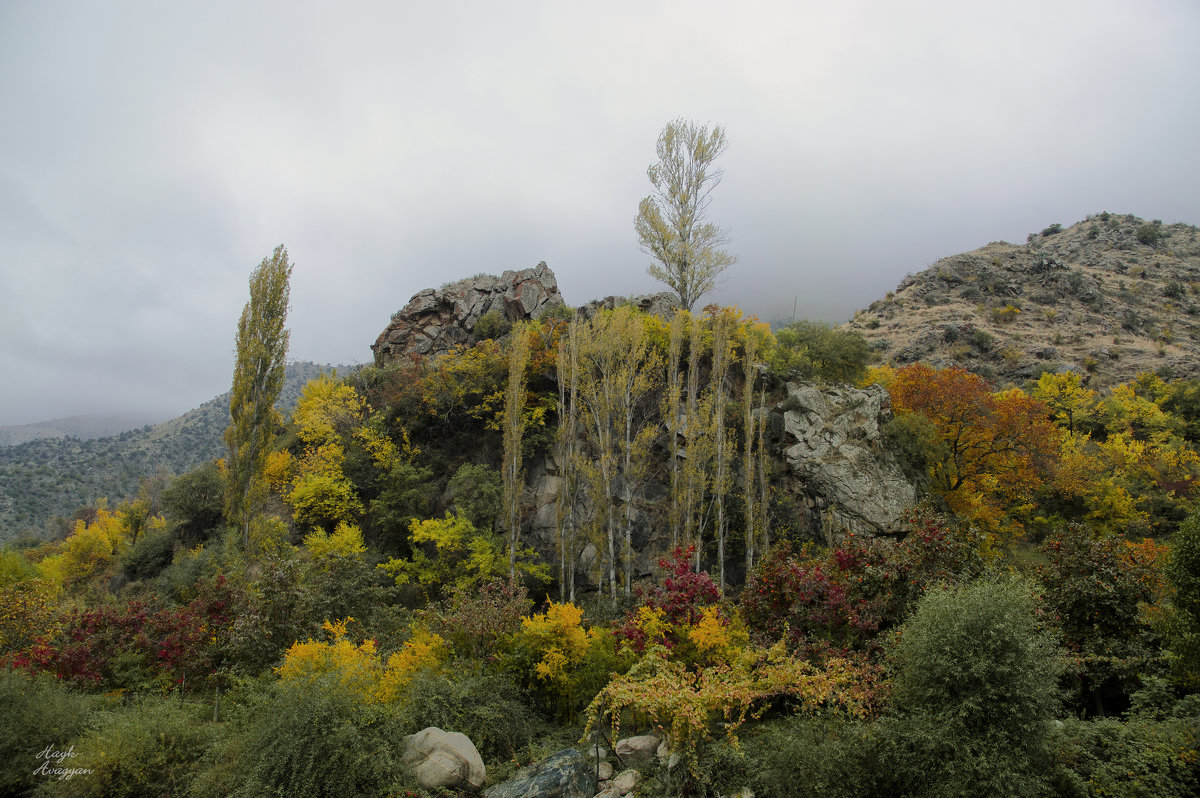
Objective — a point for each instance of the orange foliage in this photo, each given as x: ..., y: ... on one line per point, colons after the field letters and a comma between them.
x: 994, y: 449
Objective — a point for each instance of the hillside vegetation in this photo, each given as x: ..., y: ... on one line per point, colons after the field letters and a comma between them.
x: 1109, y: 297
x: 52, y: 477
x: 617, y: 534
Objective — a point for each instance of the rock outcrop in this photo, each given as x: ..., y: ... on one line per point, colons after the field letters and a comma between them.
x: 444, y: 759
x: 833, y: 446
x: 662, y: 304
x: 437, y: 319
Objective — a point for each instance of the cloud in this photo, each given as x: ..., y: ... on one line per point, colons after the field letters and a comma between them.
x: 154, y: 153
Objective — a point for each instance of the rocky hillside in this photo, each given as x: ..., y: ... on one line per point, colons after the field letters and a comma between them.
x: 1110, y: 296
x: 52, y: 477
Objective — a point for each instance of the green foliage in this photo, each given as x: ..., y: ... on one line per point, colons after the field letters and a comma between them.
x: 262, y: 342
x: 405, y: 495
x: 475, y: 492
x: 149, y: 555
x: 487, y: 707
x: 1154, y: 752
x: 39, y: 711
x: 149, y: 749
x: 831, y: 756
x: 1093, y: 591
x: 973, y: 693
x: 306, y: 737
x: 814, y: 351
x: 1150, y: 234
x: 1182, y: 570
x: 493, y: 324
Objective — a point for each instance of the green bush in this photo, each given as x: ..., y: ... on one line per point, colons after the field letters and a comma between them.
x: 1150, y: 234
x: 487, y: 707
x: 305, y: 737
x: 38, y: 711
x: 491, y: 325
x: 149, y: 556
x: 974, y: 691
x: 832, y: 757
x: 815, y: 351
x: 149, y: 749
x: 1153, y: 752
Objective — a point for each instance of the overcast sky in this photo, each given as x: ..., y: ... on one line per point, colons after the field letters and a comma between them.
x: 152, y: 153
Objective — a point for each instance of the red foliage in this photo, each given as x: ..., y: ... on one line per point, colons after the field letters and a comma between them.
x: 682, y: 596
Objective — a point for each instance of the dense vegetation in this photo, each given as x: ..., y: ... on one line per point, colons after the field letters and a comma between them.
x: 1033, y: 632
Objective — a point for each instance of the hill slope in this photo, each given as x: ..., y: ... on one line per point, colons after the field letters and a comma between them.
x: 1110, y: 296
x: 52, y: 477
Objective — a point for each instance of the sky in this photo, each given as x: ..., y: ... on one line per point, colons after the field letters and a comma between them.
x: 152, y: 154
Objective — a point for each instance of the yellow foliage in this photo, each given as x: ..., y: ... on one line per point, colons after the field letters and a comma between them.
x: 358, y: 668
x: 88, y: 551
x: 327, y: 409
x: 346, y: 540
x: 423, y: 651
x: 718, y: 639
x: 280, y: 471
x: 878, y: 375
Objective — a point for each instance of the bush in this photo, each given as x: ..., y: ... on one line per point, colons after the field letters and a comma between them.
x: 829, y: 756
x: 1149, y: 234
x: 486, y: 707
x: 306, y: 737
x: 152, y: 748
x: 491, y: 325
x: 973, y: 694
x: 812, y: 350
x: 38, y: 711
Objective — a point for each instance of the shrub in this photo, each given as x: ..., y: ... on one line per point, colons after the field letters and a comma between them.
x: 812, y: 350
x: 487, y: 707
x: 1150, y: 234
x: 490, y: 325
x: 973, y: 694
x: 1053, y: 229
x: 39, y: 711
x: 150, y: 748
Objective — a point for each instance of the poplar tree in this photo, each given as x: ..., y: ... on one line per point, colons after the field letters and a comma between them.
x: 670, y: 223
x: 514, y: 432
x: 258, y: 376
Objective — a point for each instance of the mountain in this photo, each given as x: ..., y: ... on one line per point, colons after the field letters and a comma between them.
x: 51, y: 477
x: 82, y: 427
x: 1110, y: 297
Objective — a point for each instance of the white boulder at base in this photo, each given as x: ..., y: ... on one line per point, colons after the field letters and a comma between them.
x: 444, y: 759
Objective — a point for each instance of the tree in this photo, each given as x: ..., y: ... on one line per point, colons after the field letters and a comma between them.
x: 670, y: 222
x: 973, y: 692
x: 262, y: 342
x: 514, y: 431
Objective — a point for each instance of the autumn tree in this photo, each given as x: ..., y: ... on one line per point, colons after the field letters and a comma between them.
x: 991, y: 450
x: 566, y: 451
x: 670, y: 223
x: 514, y: 431
x: 262, y: 342
x: 618, y: 370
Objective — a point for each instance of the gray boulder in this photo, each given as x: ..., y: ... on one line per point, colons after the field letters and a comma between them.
x: 443, y: 759
x: 566, y: 774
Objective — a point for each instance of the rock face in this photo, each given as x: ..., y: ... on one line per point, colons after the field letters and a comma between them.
x: 662, y: 304
x: 437, y: 319
x: 566, y: 774
x: 834, y: 449
x: 443, y: 759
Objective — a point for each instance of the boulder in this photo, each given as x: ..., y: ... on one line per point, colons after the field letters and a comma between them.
x: 661, y: 304
x: 443, y: 759
x: 639, y: 751
x: 438, y: 319
x: 625, y: 781
x: 566, y: 774
x: 833, y: 445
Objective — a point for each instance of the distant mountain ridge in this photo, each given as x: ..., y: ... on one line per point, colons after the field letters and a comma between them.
x: 50, y: 477
x: 84, y: 428
x: 1108, y: 297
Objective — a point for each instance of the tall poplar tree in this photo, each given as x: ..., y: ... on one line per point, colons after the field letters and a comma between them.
x: 514, y: 432
x: 262, y: 343
x: 670, y: 223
